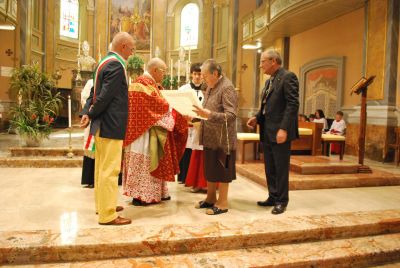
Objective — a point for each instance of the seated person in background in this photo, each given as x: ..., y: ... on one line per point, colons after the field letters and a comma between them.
x: 338, y: 126
x: 311, y: 117
x: 320, y: 118
x: 302, y: 118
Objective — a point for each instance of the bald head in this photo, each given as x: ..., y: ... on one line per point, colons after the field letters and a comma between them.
x: 123, y: 44
x: 156, y: 67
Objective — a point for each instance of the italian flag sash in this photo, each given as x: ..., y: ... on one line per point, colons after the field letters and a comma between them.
x: 89, y: 143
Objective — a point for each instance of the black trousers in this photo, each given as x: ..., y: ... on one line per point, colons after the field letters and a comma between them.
x: 277, y: 164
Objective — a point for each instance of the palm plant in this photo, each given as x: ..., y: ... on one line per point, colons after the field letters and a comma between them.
x: 38, y: 103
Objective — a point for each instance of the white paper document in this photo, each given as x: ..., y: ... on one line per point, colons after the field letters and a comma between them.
x: 183, y: 101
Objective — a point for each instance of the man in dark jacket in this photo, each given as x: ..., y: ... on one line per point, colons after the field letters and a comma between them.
x: 108, y: 112
x: 277, y: 118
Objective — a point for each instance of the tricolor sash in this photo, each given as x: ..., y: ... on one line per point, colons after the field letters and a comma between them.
x: 89, y: 143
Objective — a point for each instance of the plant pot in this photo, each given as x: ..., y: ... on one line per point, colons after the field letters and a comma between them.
x: 33, y: 141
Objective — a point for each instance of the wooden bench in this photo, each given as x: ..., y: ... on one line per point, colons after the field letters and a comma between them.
x: 246, y: 138
x: 310, y: 138
x: 328, y: 139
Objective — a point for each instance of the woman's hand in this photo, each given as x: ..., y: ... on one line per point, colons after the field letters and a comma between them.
x: 204, y: 113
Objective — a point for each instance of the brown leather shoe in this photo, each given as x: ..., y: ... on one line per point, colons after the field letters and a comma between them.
x: 117, y: 209
x: 118, y: 221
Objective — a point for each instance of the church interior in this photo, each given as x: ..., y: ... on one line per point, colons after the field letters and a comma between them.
x: 344, y: 208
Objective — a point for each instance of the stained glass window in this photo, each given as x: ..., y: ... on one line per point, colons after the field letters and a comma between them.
x: 69, y: 18
x: 190, y: 26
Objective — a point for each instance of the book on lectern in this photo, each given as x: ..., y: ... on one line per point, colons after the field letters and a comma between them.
x: 361, y: 84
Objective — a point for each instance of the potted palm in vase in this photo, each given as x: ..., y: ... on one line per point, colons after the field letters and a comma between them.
x: 37, y: 104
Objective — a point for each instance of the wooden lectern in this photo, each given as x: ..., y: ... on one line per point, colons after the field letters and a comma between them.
x: 362, y: 87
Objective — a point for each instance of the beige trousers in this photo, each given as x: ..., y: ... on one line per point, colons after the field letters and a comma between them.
x: 108, y: 154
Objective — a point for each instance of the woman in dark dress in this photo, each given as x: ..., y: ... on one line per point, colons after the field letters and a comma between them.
x: 218, y: 136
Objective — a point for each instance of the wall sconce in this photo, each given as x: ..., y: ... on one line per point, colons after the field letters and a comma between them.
x: 244, y: 67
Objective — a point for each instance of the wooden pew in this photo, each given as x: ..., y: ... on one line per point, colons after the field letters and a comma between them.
x: 310, y: 138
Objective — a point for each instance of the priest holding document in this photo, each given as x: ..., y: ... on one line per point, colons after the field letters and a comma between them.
x: 155, y: 139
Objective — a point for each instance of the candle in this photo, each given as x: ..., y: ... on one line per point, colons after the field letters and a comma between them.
x: 179, y: 71
x: 144, y: 67
x: 69, y: 111
x: 189, y: 56
x: 171, y: 66
x: 79, y: 48
x: 99, y: 50
x: 187, y: 71
x: 80, y: 31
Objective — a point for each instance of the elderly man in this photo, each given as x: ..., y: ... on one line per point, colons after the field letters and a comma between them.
x: 278, y: 122
x: 155, y: 139
x: 107, y: 109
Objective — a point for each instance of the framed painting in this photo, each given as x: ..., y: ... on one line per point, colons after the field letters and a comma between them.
x: 321, y: 86
x: 134, y: 17
x: 320, y: 90
x: 3, y: 6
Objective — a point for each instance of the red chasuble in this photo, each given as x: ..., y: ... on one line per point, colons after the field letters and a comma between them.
x: 145, y: 108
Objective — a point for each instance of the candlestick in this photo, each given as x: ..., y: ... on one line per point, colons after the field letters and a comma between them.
x: 69, y: 111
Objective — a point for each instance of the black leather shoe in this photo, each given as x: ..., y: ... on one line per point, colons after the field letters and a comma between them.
x: 266, y: 203
x: 278, y: 209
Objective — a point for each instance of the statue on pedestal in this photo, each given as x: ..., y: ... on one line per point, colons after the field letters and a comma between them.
x: 86, y: 62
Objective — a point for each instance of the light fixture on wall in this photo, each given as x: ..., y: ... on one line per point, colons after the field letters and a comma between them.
x: 7, y: 27
x: 251, y: 46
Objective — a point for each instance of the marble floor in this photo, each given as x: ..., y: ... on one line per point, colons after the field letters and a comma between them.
x: 51, y: 198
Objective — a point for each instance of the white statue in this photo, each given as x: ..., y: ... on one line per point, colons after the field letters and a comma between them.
x: 87, y: 63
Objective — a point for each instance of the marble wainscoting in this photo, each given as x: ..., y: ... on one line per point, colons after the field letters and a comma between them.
x: 71, y: 244
x: 376, y: 139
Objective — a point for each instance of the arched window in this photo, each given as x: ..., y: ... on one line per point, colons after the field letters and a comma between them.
x: 190, y: 26
x: 69, y: 18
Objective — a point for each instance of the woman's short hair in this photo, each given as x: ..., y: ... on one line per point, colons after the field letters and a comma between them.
x: 211, y: 65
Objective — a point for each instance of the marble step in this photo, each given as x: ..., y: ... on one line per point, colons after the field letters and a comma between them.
x: 108, y: 242
x: 255, y: 172
x: 350, y: 252
x: 42, y: 151
x: 41, y: 161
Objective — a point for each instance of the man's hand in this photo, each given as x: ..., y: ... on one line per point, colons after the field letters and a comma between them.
x: 252, y: 122
x: 281, y: 136
x: 85, y: 121
x: 204, y: 113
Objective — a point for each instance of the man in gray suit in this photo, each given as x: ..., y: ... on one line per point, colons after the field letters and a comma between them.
x: 277, y: 118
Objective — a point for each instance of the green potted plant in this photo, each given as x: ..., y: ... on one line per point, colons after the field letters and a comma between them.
x: 37, y: 104
x: 135, y: 66
x: 166, y: 82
